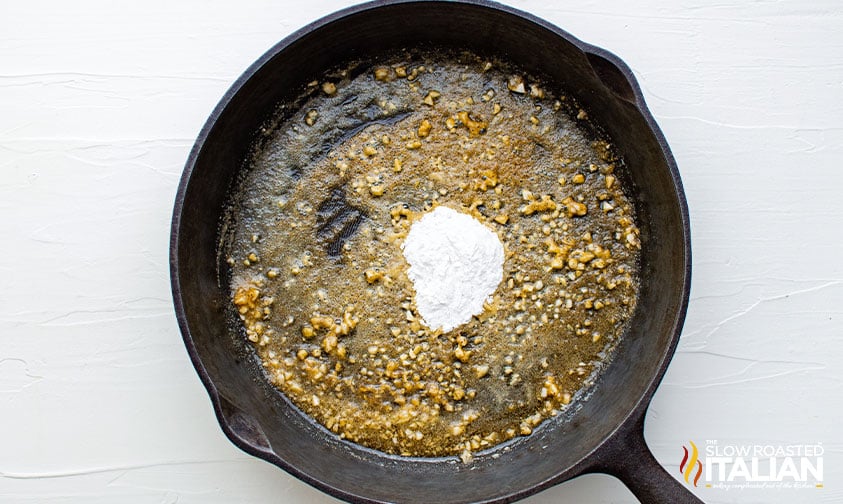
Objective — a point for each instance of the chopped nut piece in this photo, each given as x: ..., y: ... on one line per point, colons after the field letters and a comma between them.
x: 373, y: 275
x: 544, y: 205
x: 310, y: 117
x: 633, y: 240
x: 246, y: 296
x: 430, y: 98
x: 322, y: 322
x: 383, y: 74
x: 461, y: 354
x: 579, y: 178
x: 376, y: 190
x: 424, y: 128
x: 489, y: 180
x: 329, y: 342
x: 413, y: 144
x: 329, y: 88
x: 502, y: 219
x: 582, y: 115
x: 415, y: 73
x: 574, y: 208
x: 516, y: 84
x: 475, y: 128
x: 399, y: 211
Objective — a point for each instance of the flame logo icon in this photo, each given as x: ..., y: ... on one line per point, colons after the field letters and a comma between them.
x: 686, y: 467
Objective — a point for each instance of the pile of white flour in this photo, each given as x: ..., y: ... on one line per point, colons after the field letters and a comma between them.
x: 456, y: 263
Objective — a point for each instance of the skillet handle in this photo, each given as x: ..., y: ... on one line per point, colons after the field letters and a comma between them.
x: 612, y: 72
x: 627, y: 457
x: 241, y: 428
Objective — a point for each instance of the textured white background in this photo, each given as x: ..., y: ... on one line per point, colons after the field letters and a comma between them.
x: 99, y: 106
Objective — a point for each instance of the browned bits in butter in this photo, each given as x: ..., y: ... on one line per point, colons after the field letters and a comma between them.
x: 545, y: 204
x: 431, y: 97
x: 373, y: 275
x: 475, y: 128
x: 383, y: 74
x: 424, y: 128
x: 253, y: 309
x: 329, y: 88
x: 325, y: 209
x: 516, y: 84
x: 574, y: 207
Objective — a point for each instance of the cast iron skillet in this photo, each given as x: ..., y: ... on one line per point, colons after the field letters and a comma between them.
x: 601, y: 434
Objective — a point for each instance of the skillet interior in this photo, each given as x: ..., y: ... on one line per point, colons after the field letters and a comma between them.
x: 261, y: 421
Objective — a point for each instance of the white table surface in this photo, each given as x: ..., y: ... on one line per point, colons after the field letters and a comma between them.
x: 99, y: 106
